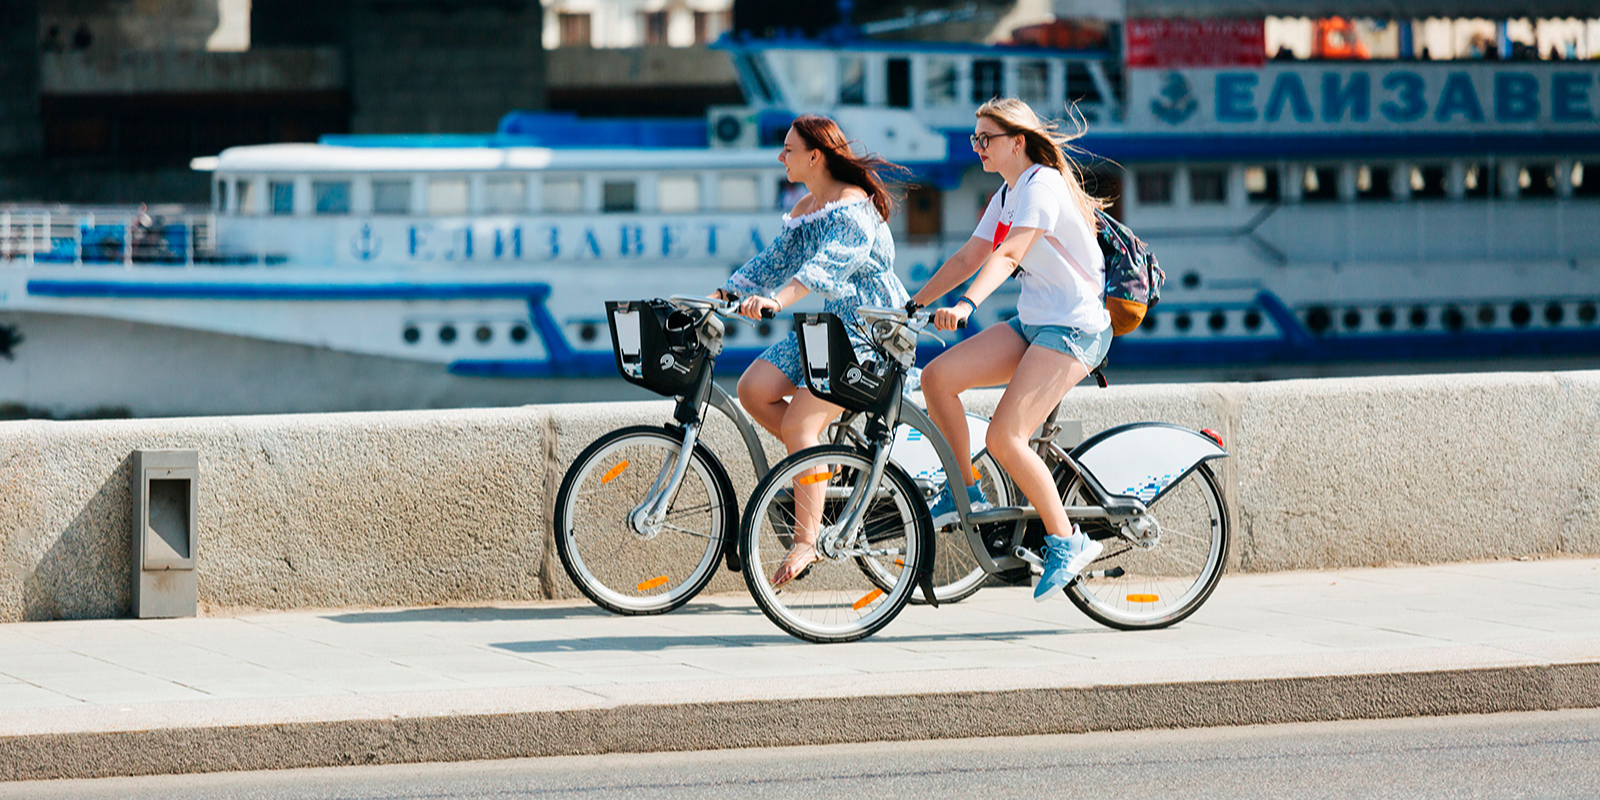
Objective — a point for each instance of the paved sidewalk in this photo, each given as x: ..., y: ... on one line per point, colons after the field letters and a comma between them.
x: 294, y: 689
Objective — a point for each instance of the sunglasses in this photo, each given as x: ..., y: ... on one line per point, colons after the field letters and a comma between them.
x: 981, y: 140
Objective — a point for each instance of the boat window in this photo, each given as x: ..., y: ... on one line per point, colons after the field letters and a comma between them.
x: 563, y: 195
x: 942, y: 79
x: 219, y: 200
x: 809, y: 74
x: 852, y: 80
x: 1208, y: 185
x: 504, y: 194
x: 1033, y: 83
x: 619, y: 196
x: 897, y: 75
x: 678, y: 194
x: 1478, y: 181
x: 1586, y: 179
x: 391, y: 197
x: 988, y: 80
x: 1320, y: 184
x: 575, y: 29
x: 447, y: 196
x: 1261, y: 184
x: 1374, y: 183
x: 246, y: 202
x: 282, y: 193
x: 1537, y: 180
x: 924, y: 211
x: 1081, y: 87
x: 1427, y: 182
x: 738, y: 193
x: 1155, y: 187
x: 331, y: 197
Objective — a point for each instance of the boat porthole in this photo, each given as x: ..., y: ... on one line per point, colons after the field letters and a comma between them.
x: 519, y: 333
x: 764, y: 329
x: 1182, y: 322
x: 1554, y: 313
x: 1520, y: 314
x: 1419, y: 316
x: 1191, y: 280
x: 588, y: 332
x: 731, y: 332
x: 1453, y: 318
x: 1386, y: 317
x: 484, y: 333
x: 1150, y: 324
x: 1486, y: 315
x: 1352, y: 318
x: 447, y: 334
x: 1318, y: 319
x: 411, y: 334
x: 1586, y: 313
x: 1217, y: 321
x: 1252, y: 320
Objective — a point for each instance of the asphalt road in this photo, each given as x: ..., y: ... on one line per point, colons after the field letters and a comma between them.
x: 1530, y: 755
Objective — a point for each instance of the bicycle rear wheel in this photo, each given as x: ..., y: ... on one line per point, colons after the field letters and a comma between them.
x: 1156, y: 586
x: 613, y: 563
x: 854, y: 593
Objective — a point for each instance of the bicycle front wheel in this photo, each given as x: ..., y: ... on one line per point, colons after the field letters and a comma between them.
x: 631, y: 569
x: 857, y: 590
x: 1134, y: 587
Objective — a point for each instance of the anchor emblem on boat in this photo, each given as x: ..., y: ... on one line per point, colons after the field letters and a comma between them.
x: 1179, y: 103
x: 366, y: 246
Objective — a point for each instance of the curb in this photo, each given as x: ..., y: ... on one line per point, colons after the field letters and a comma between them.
x: 808, y: 721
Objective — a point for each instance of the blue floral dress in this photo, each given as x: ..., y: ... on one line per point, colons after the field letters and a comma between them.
x: 841, y: 251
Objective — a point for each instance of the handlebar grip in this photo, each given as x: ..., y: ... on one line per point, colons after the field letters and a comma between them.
x: 961, y: 323
x: 767, y: 313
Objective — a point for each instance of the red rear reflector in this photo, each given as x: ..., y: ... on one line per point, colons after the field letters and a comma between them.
x: 1214, y: 436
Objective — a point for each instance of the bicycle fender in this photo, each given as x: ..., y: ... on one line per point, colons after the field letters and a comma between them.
x: 1144, y: 459
x: 730, y: 508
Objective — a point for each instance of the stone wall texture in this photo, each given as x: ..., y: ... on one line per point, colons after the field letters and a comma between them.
x: 409, y: 508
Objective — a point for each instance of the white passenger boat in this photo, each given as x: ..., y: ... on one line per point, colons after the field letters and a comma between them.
x: 1312, y: 217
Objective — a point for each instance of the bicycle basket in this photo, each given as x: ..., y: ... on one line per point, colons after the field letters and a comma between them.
x: 655, y: 345
x: 831, y: 368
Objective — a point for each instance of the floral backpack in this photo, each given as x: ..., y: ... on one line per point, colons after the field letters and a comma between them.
x: 1133, y: 278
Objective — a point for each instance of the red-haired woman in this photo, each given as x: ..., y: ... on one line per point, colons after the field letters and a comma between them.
x: 835, y: 242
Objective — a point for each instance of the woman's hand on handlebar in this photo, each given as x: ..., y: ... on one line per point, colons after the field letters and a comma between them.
x: 759, y: 307
x: 949, y: 319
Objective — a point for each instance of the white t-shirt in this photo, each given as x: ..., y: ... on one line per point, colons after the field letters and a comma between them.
x: 1063, y: 275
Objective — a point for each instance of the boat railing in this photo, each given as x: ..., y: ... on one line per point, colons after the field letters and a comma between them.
x: 106, y: 235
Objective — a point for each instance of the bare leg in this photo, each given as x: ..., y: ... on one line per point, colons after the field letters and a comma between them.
x: 762, y: 389
x: 987, y: 359
x: 802, y: 427
x: 1041, y: 380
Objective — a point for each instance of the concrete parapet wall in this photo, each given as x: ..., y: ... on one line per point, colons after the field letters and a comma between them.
x: 407, y: 508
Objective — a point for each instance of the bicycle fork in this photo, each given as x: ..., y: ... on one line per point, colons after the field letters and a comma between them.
x: 647, y: 517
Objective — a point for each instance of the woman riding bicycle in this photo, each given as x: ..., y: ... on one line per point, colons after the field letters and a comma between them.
x: 1041, y: 226
x: 835, y: 242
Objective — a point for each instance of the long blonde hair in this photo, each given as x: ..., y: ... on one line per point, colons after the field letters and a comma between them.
x: 1045, y: 143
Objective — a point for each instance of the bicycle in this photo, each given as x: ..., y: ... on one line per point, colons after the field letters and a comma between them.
x: 1146, y: 490
x: 645, y: 512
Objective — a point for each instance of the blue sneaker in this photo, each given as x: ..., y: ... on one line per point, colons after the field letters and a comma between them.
x: 1065, y: 557
x: 944, y: 506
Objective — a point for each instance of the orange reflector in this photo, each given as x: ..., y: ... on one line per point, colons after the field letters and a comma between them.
x: 810, y: 479
x: 976, y: 478
x: 866, y: 601
x: 899, y: 562
x: 1143, y: 598
x: 653, y: 583
x: 611, y: 474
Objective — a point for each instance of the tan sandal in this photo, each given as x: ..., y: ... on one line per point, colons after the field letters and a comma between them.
x: 794, y: 568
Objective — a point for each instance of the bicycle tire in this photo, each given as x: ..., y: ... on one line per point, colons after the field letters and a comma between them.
x: 834, y: 600
x: 1164, y: 584
x: 616, y: 567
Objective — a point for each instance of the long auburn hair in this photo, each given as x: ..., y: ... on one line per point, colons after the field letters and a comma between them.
x: 867, y: 172
x: 1045, y: 143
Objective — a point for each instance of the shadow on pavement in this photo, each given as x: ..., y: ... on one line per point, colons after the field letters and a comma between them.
x: 692, y: 641
x: 492, y: 614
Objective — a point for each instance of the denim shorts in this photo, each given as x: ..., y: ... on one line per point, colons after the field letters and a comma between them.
x: 1090, y: 348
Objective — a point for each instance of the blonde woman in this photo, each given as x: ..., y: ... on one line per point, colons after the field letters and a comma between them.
x: 1041, y: 225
